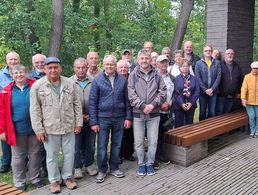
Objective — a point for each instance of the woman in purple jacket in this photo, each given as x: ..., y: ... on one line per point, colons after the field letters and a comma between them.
x: 186, y: 95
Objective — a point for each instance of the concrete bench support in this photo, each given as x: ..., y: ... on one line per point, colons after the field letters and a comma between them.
x: 186, y: 156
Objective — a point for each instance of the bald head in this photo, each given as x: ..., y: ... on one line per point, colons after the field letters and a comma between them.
x: 93, y: 59
x: 188, y: 47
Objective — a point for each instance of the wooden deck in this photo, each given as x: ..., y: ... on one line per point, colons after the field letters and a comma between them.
x: 233, y: 169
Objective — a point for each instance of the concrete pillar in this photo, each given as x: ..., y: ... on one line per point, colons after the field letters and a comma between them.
x: 230, y: 24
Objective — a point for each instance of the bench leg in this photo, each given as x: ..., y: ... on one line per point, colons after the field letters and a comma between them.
x: 186, y: 156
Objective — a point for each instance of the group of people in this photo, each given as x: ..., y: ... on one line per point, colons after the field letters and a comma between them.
x: 42, y: 111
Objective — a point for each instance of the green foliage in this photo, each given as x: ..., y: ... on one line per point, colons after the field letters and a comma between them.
x: 130, y: 24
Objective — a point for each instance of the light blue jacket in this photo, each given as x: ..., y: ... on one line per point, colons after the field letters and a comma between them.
x: 5, y: 77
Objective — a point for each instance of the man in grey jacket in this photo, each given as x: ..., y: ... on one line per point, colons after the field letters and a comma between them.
x: 85, y: 140
x: 56, y: 115
x: 146, y: 92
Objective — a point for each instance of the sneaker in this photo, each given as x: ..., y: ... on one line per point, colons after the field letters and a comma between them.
x: 150, y: 170
x: 22, y: 188
x: 55, y: 187
x: 91, y: 170
x: 156, y: 165
x: 38, y: 184
x: 252, y: 135
x: 77, y: 174
x: 100, y: 177
x: 164, y: 161
x: 141, y: 170
x: 117, y: 173
x: 70, y: 184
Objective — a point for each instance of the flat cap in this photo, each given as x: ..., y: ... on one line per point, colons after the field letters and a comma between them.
x: 49, y: 60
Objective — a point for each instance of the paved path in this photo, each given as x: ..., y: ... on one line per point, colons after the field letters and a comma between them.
x: 233, y: 169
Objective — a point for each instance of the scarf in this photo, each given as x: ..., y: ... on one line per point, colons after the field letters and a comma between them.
x: 186, y: 89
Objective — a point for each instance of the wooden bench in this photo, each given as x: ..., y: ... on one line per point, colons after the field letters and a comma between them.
x: 188, y: 144
x: 6, y: 189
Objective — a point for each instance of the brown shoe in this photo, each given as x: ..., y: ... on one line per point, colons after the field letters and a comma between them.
x: 70, y: 184
x: 55, y: 188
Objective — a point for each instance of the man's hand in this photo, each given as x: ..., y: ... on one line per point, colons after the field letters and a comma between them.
x: 95, y: 128
x: 209, y: 92
x: 3, y: 137
x: 42, y: 137
x: 244, y: 102
x: 165, y: 106
x: 85, y: 117
x: 148, y: 108
x: 77, y: 130
x: 127, y: 124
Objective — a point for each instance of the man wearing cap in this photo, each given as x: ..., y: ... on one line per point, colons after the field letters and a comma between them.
x: 230, y: 84
x: 165, y: 108
x: 249, y: 97
x: 38, y: 66
x: 146, y: 92
x: 12, y: 58
x: 56, y: 116
x: 127, y: 55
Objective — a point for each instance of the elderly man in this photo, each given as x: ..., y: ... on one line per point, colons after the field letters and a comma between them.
x: 189, y: 54
x: 12, y: 58
x: 15, y: 128
x: 127, y: 55
x: 127, y: 149
x: 56, y: 116
x: 146, y: 92
x: 37, y: 71
x: 86, y: 136
x: 93, y: 61
x: 208, y: 73
x: 148, y: 45
x: 166, y: 51
x: 230, y: 84
x: 109, y: 110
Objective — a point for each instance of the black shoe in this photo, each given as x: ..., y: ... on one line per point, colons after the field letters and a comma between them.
x: 22, y: 188
x: 4, y: 168
x: 156, y: 165
x: 130, y: 158
x: 164, y: 161
x: 43, y: 172
x: 39, y: 184
x: 120, y: 161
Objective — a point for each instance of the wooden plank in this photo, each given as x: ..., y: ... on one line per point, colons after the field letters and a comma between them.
x: 7, y: 189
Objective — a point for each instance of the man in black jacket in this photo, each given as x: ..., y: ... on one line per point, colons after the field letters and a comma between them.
x: 230, y: 84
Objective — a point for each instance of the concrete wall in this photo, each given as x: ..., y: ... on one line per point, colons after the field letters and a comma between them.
x: 230, y: 24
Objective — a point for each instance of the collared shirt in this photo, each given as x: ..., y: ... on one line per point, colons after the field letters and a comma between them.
x: 111, y: 78
x: 5, y: 77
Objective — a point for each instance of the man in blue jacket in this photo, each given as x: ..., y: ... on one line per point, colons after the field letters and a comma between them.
x: 109, y: 109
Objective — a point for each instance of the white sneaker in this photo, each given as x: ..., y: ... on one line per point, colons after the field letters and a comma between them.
x: 91, y: 170
x: 77, y: 174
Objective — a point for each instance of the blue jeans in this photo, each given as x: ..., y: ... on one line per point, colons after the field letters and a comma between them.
x: 152, y: 126
x: 224, y: 105
x: 252, y: 112
x: 116, y: 125
x: 207, y: 102
x: 84, y: 147
x: 7, y: 155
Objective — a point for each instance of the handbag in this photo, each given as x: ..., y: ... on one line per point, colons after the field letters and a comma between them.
x: 168, y: 124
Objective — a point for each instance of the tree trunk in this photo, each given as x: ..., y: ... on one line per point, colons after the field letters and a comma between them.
x: 186, y: 8
x: 107, y: 26
x: 34, y: 39
x: 56, y: 28
x: 96, y: 25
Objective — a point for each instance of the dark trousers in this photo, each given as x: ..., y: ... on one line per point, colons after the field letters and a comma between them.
x: 162, y: 130
x: 184, y: 117
x: 7, y: 155
x: 127, y: 143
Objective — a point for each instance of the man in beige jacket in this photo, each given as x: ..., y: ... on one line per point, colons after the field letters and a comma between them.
x: 56, y: 115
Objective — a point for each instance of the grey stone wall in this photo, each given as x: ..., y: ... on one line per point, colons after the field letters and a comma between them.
x: 230, y: 24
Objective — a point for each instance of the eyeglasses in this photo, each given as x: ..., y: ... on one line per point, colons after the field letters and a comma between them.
x: 207, y: 50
